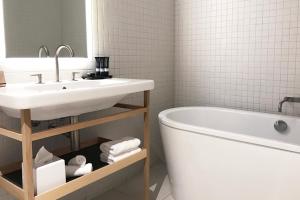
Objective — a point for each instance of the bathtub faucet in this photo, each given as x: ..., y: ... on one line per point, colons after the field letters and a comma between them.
x: 288, y: 99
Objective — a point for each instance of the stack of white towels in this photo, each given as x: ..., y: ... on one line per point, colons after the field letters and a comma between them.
x: 117, y: 150
x: 77, y: 166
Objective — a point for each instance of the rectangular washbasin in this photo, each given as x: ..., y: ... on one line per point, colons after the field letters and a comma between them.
x: 67, y: 98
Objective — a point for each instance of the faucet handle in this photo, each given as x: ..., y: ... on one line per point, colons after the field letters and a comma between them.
x: 74, y: 75
x: 40, y: 78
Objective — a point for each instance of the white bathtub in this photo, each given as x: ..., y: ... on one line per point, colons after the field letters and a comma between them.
x: 224, y: 154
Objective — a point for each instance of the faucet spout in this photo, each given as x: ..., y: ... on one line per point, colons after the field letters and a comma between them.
x: 58, y: 50
x: 281, y: 104
x: 288, y: 99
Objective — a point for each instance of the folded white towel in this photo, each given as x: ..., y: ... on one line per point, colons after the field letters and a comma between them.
x: 78, y: 161
x: 112, y: 159
x: 107, y: 154
x: 118, y: 147
x: 43, y: 156
x: 73, y: 171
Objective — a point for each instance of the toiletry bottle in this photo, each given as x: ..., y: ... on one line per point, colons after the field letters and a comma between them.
x: 106, y: 67
x: 98, y: 67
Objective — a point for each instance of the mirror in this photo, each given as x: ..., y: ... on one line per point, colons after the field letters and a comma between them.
x: 31, y: 26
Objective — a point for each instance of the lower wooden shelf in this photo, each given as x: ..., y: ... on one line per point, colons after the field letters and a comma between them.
x: 101, y: 170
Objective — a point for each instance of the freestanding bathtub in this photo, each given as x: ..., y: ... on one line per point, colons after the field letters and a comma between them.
x: 224, y: 154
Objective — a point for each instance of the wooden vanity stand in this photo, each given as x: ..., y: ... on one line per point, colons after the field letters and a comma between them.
x: 27, y: 137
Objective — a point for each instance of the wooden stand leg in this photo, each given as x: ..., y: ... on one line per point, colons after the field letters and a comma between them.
x: 147, y: 146
x: 27, y: 155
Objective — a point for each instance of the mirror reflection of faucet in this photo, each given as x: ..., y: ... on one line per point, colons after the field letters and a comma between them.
x: 44, y: 49
x: 288, y: 99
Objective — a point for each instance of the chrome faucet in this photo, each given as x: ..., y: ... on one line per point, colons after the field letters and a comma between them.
x: 70, y: 50
x: 288, y: 99
x: 45, y: 49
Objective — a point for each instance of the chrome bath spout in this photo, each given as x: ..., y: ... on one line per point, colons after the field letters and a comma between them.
x: 288, y: 99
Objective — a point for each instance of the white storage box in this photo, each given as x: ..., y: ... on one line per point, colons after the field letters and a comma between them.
x: 49, y: 175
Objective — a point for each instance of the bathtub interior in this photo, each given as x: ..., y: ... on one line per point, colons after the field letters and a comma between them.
x: 254, y: 124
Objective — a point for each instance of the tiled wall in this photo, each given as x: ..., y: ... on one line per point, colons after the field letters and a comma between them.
x: 237, y: 53
x: 139, y: 37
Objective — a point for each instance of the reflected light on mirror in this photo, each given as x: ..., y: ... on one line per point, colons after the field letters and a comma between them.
x: 34, y: 64
x: 89, y: 33
x: 2, y: 37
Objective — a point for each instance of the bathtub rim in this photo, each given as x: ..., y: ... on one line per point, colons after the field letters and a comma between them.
x: 254, y: 140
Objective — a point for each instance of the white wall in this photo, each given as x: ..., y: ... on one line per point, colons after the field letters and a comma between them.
x: 236, y: 53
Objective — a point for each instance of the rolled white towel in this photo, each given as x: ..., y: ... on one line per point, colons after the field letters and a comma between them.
x: 118, y: 147
x: 73, y: 171
x: 112, y: 159
x: 43, y: 156
x: 78, y: 161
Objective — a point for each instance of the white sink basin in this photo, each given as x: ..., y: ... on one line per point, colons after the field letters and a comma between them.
x: 67, y: 98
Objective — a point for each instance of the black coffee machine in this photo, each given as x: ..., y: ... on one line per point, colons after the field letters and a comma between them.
x: 102, y: 69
